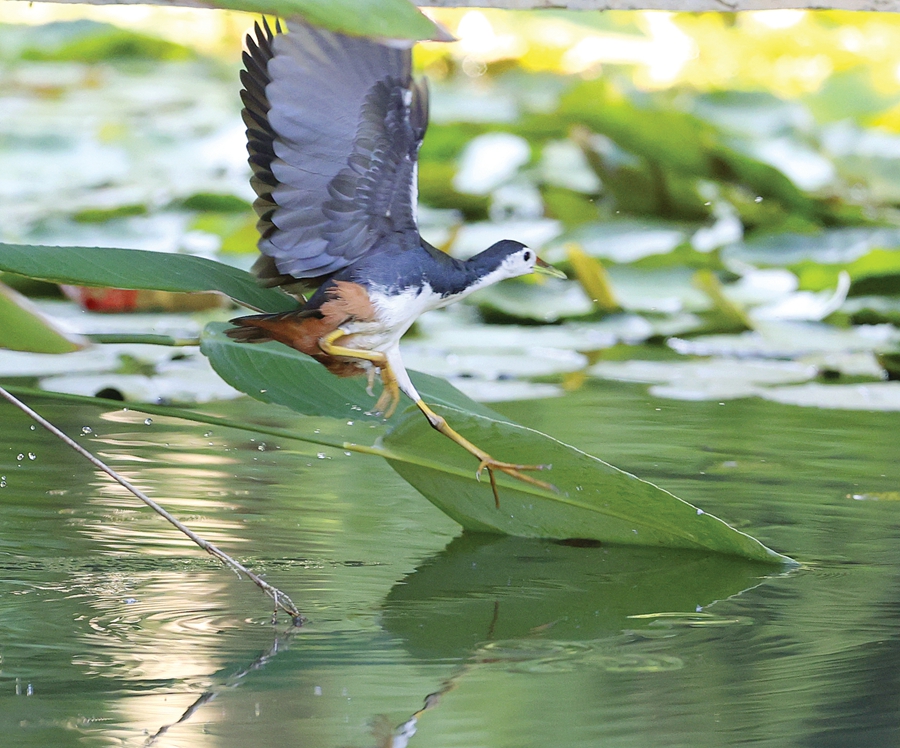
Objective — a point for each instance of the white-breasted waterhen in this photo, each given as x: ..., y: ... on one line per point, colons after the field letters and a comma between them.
x: 334, y: 125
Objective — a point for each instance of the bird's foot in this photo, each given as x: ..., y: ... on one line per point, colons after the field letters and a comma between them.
x: 513, y: 470
x: 390, y: 394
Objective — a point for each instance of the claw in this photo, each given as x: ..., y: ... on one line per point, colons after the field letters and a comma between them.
x: 490, y: 464
x: 370, y: 377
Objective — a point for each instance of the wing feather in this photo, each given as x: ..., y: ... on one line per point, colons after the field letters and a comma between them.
x: 334, y: 124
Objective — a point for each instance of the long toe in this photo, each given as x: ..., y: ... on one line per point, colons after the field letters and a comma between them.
x: 370, y: 381
x: 515, y: 471
x: 387, y: 402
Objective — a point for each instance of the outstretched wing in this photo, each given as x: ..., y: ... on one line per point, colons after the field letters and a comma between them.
x: 334, y: 125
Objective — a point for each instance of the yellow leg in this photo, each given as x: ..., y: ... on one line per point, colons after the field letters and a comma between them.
x: 390, y: 396
x: 486, y: 462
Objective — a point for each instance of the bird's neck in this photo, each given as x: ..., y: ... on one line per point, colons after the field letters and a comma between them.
x: 479, y: 277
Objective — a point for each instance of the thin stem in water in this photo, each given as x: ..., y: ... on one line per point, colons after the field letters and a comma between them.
x: 281, y: 600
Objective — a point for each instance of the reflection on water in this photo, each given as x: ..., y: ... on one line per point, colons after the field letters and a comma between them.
x: 114, y: 630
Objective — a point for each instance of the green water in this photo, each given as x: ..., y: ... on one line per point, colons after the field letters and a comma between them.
x: 113, y: 627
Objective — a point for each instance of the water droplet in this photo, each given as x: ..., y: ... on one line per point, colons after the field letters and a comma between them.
x: 262, y: 447
x: 321, y: 455
x: 2, y: 481
x: 32, y: 456
x: 20, y: 457
x: 347, y: 453
x: 32, y: 427
x: 700, y: 511
x: 316, y: 431
x: 208, y: 434
x: 87, y: 430
x: 263, y: 392
x: 349, y: 423
x: 148, y: 421
x: 757, y: 199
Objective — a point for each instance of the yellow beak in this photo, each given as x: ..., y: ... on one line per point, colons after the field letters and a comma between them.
x: 544, y: 269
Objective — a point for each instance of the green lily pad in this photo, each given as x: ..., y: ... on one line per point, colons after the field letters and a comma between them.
x: 830, y: 247
x: 711, y: 379
x: 789, y: 339
x: 545, y: 302
x: 883, y: 396
x: 623, y: 241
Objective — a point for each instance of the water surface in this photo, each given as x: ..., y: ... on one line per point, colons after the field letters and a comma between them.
x: 113, y: 627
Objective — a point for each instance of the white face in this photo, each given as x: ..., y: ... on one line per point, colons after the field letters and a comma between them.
x: 520, y: 263
x: 516, y: 264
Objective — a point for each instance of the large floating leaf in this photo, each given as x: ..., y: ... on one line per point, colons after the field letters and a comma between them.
x: 394, y: 19
x: 274, y: 373
x: 595, y: 500
x: 134, y: 268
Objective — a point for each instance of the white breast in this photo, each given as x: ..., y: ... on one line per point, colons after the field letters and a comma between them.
x: 394, y: 315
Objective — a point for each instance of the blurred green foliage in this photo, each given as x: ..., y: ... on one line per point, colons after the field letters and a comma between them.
x: 684, y: 157
x: 89, y: 42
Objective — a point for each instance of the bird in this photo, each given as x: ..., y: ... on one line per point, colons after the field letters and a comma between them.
x: 334, y: 125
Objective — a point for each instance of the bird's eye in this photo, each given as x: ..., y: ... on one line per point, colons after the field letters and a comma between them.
x: 527, y: 256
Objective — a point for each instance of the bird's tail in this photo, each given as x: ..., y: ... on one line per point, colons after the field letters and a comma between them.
x: 301, y: 330
x: 261, y: 328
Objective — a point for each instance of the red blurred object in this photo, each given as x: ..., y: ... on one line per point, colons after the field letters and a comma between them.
x: 115, y: 300
x: 103, y: 299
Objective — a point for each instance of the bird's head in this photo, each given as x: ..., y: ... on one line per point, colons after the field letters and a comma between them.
x: 510, y: 259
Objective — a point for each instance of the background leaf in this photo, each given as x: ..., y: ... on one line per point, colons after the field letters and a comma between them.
x: 135, y: 268
x: 393, y: 19
x: 24, y: 328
